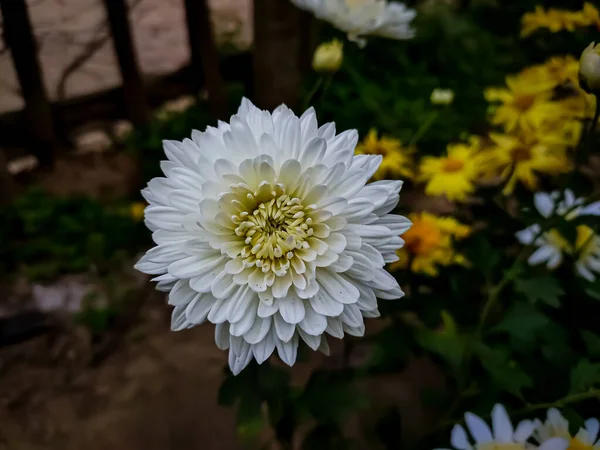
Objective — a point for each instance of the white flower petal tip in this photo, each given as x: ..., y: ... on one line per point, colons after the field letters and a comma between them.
x: 391, y: 20
x: 266, y: 227
x: 501, y: 434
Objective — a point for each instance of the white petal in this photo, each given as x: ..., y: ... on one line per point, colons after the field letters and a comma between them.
x: 524, y: 430
x: 458, y: 438
x: 326, y: 305
x: 544, y: 204
x: 178, y: 319
x: 478, y: 428
x: 264, y: 348
x: 313, y: 322
x: 555, y: 443
x: 337, y: 287
x: 334, y: 327
x: 542, y: 254
x: 352, y: 316
x: 244, y: 325
x: 288, y: 351
x: 258, y: 331
x: 503, y: 429
x: 240, y: 355
x: 222, y: 336
x: 291, y: 309
x: 312, y: 341
x: 197, y: 310
x: 592, y: 426
x: 220, y: 309
x: 241, y: 299
x: 181, y: 294
x: 283, y: 329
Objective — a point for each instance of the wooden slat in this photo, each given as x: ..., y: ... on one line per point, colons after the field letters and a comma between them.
x: 19, y: 38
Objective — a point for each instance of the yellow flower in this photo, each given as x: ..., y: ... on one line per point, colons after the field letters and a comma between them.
x: 560, y: 133
x: 136, y: 211
x: 452, y: 175
x: 589, y: 15
x: 522, y: 157
x: 428, y: 243
x: 557, y: 20
x: 557, y: 71
x: 328, y: 57
x: 581, y: 106
x: 524, y: 103
x: 397, y: 159
x: 533, y: 21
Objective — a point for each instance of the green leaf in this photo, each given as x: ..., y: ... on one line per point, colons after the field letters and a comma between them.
x: 331, y: 396
x: 584, y: 376
x: 449, y: 345
x: 544, y: 289
x: 505, y: 372
x: 482, y: 254
x: 522, y: 322
x: 592, y: 343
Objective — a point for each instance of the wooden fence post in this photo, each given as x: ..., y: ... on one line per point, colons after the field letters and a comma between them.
x: 204, y: 56
x: 276, y: 56
x: 133, y: 88
x: 18, y: 35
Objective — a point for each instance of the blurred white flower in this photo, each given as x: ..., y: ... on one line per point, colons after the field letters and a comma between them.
x: 551, y: 245
x: 265, y: 227
x: 359, y: 18
x: 557, y: 426
x: 442, y: 96
x: 501, y: 436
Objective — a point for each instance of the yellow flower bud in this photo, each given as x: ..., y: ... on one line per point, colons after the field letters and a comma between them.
x: 589, y: 69
x: 136, y: 210
x: 442, y: 96
x: 328, y: 57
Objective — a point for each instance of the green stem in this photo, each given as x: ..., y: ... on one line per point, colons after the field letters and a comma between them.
x: 312, y: 92
x: 424, y: 127
x: 569, y: 399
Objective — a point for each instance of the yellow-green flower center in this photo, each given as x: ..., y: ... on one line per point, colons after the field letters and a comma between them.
x: 273, y: 231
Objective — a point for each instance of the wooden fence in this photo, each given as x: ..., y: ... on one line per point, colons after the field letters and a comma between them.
x: 41, y: 122
x: 282, y: 48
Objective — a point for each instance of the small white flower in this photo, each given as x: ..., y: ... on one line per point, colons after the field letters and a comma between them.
x: 442, y: 96
x: 360, y: 18
x: 501, y: 436
x: 557, y: 426
x: 265, y: 227
x: 551, y: 246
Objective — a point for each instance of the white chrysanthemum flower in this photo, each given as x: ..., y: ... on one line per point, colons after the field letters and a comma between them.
x: 359, y: 18
x: 265, y: 227
x: 502, y: 435
x: 557, y: 426
x: 551, y: 246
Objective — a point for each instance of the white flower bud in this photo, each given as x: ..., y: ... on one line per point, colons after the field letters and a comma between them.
x: 589, y: 69
x: 442, y: 96
x: 328, y: 57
